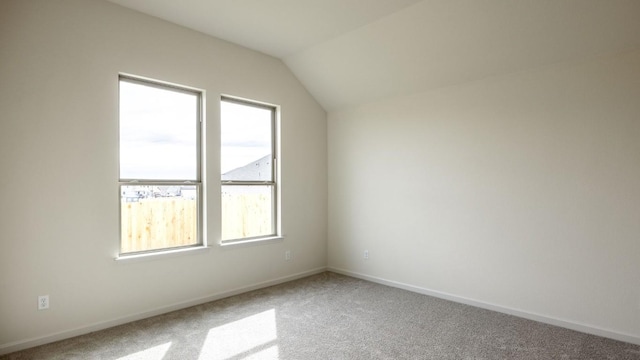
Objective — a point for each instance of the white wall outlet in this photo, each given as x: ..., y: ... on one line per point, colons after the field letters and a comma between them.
x: 287, y: 255
x: 43, y: 302
x: 366, y: 254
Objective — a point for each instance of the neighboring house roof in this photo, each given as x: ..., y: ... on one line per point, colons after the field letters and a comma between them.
x: 256, y: 170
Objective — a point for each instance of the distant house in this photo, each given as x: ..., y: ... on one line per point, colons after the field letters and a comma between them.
x: 135, y: 193
x: 166, y: 191
x: 256, y: 170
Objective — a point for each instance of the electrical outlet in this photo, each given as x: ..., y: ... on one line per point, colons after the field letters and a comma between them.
x: 43, y: 302
x: 366, y: 254
x: 287, y: 255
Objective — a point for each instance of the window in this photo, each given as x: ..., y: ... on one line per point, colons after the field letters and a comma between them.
x: 160, y: 166
x: 248, y: 170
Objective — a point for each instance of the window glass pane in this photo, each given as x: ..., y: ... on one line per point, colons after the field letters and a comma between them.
x: 246, y: 136
x: 158, y: 133
x: 247, y: 211
x: 157, y: 217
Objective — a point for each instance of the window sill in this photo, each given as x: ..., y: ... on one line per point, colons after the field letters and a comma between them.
x: 161, y: 254
x: 248, y: 242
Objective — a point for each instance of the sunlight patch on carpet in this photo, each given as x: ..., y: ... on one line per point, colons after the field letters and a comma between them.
x: 245, y: 337
x: 270, y: 353
x: 154, y: 353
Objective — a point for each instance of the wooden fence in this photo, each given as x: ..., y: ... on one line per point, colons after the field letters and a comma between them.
x: 157, y: 223
x: 245, y: 215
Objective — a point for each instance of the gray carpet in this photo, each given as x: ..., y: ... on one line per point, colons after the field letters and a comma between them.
x: 330, y: 316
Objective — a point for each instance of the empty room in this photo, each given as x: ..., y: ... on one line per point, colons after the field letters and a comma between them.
x: 319, y: 179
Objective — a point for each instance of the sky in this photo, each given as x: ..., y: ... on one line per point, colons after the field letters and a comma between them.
x: 158, y: 133
x: 245, y: 134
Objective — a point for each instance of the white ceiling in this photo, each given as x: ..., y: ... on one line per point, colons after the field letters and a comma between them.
x: 349, y: 52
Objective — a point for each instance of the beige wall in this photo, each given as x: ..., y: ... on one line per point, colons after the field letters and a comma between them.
x: 59, y: 65
x: 521, y: 191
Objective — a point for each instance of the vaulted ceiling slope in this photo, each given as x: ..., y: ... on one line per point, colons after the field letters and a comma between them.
x: 349, y: 52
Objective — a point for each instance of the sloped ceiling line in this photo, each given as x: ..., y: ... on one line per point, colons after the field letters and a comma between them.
x: 349, y: 52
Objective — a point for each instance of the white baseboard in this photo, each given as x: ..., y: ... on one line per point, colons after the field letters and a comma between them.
x: 66, y: 334
x: 585, y: 328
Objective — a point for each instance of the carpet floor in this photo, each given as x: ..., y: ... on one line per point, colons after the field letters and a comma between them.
x: 331, y: 316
